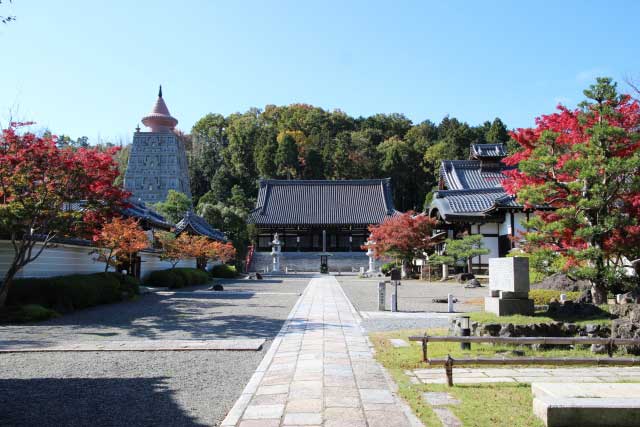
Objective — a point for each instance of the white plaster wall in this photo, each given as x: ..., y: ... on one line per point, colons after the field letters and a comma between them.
x: 57, y: 261
x: 490, y: 243
x: 518, y: 219
x: 490, y: 228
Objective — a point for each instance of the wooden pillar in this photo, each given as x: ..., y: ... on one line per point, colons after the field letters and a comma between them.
x: 324, y: 240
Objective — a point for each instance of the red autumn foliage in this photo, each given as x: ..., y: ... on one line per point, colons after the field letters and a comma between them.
x: 404, y: 236
x: 118, y: 240
x: 39, y: 185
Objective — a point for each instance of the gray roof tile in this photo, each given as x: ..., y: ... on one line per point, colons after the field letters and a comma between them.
x: 200, y: 226
x: 323, y: 202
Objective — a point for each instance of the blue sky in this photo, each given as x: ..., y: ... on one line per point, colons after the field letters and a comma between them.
x: 92, y: 67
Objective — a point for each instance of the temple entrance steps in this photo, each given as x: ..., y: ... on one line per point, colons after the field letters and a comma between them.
x: 310, y: 261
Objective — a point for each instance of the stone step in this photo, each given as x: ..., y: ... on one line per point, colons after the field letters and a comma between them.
x: 587, y: 404
x: 310, y: 261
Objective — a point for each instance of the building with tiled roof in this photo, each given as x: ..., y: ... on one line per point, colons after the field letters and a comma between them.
x: 471, y: 199
x: 320, y: 215
x: 194, y: 224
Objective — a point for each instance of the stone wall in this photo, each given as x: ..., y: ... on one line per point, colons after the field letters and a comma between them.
x: 157, y: 164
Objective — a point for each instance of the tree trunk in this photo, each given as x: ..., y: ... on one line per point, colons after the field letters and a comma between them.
x: 469, y: 265
x: 598, y: 293
x: 6, y: 284
x: 403, y: 269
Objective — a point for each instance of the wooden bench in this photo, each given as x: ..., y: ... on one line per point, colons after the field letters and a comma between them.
x: 449, y: 362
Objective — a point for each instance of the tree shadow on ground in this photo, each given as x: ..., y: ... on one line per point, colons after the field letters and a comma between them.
x: 91, y: 401
x: 197, y: 315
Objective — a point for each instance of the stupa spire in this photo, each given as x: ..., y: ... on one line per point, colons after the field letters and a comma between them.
x: 160, y: 119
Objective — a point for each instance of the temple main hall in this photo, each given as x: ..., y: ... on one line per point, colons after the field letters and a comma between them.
x: 314, y: 217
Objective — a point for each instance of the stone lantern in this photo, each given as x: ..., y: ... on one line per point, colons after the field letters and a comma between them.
x: 372, y: 260
x: 275, y: 253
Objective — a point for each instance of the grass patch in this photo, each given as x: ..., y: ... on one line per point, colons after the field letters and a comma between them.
x: 603, y: 318
x: 411, y: 357
x: 544, y: 296
x: 483, y: 405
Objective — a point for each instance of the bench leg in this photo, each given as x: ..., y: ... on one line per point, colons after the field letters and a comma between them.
x: 424, y: 351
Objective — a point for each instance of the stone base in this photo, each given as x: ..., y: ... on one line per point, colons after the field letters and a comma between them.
x: 587, y: 404
x: 507, y: 307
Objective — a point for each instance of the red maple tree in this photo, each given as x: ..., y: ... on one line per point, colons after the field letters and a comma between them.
x: 405, y: 236
x: 119, y: 240
x: 583, y: 167
x: 47, y: 191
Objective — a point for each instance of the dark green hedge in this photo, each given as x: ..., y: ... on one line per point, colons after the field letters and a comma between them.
x: 68, y: 293
x: 177, y: 278
x: 224, y: 271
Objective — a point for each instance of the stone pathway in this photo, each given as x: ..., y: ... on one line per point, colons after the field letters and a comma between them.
x: 319, y: 371
x: 526, y: 375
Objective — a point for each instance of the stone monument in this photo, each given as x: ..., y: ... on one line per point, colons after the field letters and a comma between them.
x: 275, y: 253
x: 157, y: 162
x: 509, y: 287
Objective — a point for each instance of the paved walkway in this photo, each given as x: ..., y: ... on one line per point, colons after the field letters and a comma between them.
x: 319, y: 371
x: 526, y: 375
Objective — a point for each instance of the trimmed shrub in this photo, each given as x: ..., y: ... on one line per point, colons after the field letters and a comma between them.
x: 544, y: 296
x: 386, y: 268
x: 129, y: 285
x: 35, y: 312
x: 26, y: 313
x: 177, y: 278
x: 165, y: 278
x: 66, y: 293
x: 193, y: 276
x: 224, y: 271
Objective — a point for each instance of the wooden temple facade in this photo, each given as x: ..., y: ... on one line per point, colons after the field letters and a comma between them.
x: 471, y: 199
x: 320, y: 215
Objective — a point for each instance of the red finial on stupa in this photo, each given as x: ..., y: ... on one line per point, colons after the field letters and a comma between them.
x: 160, y: 120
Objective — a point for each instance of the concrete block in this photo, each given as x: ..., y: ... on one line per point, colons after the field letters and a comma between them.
x: 507, y: 307
x: 587, y: 404
x: 509, y: 274
x: 513, y: 295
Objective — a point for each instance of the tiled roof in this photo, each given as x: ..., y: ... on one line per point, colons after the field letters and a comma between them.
x: 487, y: 150
x: 483, y: 203
x: 467, y: 174
x: 137, y: 209
x: 198, y: 225
x: 323, y: 202
x: 134, y: 209
x: 473, y: 187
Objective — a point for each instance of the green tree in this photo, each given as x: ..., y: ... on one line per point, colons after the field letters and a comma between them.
x: 583, y: 164
x: 461, y: 251
x: 497, y: 133
x: 287, y: 157
x: 230, y: 219
x: 174, y: 207
x: 402, y: 164
x: 266, y: 158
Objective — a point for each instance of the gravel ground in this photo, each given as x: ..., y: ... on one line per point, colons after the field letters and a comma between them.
x: 183, y: 388
x: 194, y: 313
x: 414, y: 297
